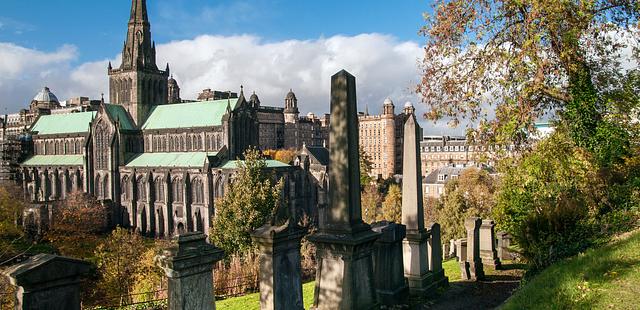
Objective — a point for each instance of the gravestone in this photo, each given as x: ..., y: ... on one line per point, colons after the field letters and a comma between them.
x: 504, y: 242
x: 391, y: 286
x: 473, y: 263
x: 488, y: 251
x: 452, y: 249
x: 461, y: 249
x: 188, y: 265
x: 47, y: 281
x: 344, y: 243
x: 416, y: 263
x: 434, y: 247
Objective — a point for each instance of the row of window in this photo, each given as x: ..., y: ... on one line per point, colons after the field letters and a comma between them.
x: 59, y: 147
x: 176, y: 187
x: 183, y: 143
x: 464, y: 148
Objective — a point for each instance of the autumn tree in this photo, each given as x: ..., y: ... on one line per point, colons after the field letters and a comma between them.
x: 284, y: 155
x: 118, y: 258
x: 526, y: 59
x: 371, y: 202
x: 11, y: 207
x: 249, y: 203
x: 392, y: 205
x: 77, y: 224
x: 366, y: 165
x: 471, y: 194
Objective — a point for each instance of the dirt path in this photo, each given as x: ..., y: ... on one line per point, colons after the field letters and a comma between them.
x: 486, y: 294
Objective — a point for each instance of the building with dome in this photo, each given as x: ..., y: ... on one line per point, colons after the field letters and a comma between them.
x: 381, y: 138
x: 159, y: 161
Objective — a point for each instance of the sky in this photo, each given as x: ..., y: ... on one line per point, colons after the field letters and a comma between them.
x: 267, y: 46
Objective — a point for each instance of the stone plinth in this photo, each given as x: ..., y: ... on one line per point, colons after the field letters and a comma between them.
x: 344, y: 243
x: 461, y: 249
x: 188, y: 265
x: 280, y: 269
x: 452, y: 249
x: 391, y: 286
x: 488, y: 252
x: 434, y: 247
x: 473, y: 265
x: 48, y: 282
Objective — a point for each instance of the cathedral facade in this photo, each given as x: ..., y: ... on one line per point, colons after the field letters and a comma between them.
x: 160, y: 162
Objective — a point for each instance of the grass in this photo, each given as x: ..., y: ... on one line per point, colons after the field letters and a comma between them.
x: 601, y: 278
x: 252, y: 301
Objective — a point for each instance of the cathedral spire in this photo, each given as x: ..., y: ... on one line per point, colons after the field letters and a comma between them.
x: 139, y: 12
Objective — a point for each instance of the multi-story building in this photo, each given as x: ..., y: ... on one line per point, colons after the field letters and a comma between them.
x: 381, y: 138
x: 306, y: 130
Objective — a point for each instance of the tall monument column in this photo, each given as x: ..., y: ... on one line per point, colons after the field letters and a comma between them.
x: 416, y: 263
x: 344, y: 279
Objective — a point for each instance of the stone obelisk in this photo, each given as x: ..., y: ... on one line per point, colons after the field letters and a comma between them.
x: 415, y: 255
x: 344, y: 279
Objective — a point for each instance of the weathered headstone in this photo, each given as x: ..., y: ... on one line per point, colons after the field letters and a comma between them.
x: 391, y: 286
x: 504, y: 242
x: 488, y: 251
x: 435, y: 255
x: 416, y: 264
x: 344, y: 243
x: 452, y: 249
x: 473, y: 264
x: 461, y: 249
x: 48, y: 282
x: 188, y: 265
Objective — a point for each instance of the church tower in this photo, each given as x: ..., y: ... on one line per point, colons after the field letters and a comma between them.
x: 291, y: 112
x: 138, y: 84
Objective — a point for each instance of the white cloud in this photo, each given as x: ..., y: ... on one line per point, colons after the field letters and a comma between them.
x: 383, y: 66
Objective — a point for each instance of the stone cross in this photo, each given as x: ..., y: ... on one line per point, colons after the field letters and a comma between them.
x: 48, y: 281
x: 189, y: 266
x: 390, y: 283
x: 416, y: 262
x: 344, y: 243
x: 473, y: 265
x: 488, y: 251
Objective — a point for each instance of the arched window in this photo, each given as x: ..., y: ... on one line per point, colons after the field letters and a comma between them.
x: 171, y: 144
x: 176, y: 189
x: 159, y: 188
x: 66, y: 147
x: 124, y: 186
x: 102, y: 146
x: 197, y: 191
x: 188, y: 144
x: 182, y: 149
x: 199, y: 140
x: 142, y: 189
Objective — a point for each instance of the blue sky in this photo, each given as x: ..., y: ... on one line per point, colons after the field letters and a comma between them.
x: 97, y: 27
x: 267, y: 46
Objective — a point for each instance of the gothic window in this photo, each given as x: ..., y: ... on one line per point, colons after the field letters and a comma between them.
x: 124, y: 186
x: 102, y: 146
x: 142, y: 189
x: 199, y: 140
x: 182, y: 144
x: 66, y: 147
x: 99, y: 187
x: 218, y: 142
x: 159, y: 185
x: 176, y: 188
x: 197, y: 191
x: 171, y: 144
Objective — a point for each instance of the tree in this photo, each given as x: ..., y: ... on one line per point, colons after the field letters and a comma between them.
x: 371, y: 201
x: 118, y: 261
x: 11, y: 207
x: 77, y: 224
x: 285, y: 155
x: 471, y: 194
x: 250, y: 201
x: 528, y: 58
x: 392, y: 205
x: 366, y: 165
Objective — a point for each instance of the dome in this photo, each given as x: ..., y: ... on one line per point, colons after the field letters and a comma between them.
x: 388, y: 101
x: 172, y: 81
x: 45, y: 95
x: 408, y: 104
x: 291, y: 95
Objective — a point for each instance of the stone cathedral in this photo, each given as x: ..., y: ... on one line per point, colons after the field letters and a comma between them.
x: 158, y: 161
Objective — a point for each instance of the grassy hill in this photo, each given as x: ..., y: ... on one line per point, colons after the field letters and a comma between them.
x: 603, y: 278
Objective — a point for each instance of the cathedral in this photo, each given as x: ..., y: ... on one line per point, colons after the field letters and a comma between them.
x: 159, y: 161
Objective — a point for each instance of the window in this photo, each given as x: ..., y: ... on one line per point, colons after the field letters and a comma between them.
x: 142, y: 189
x: 102, y: 146
x: 124, y: 185
x: 441, y: 177
x: 159, y: 188
x: 176, y: 189
x: 197, y: 191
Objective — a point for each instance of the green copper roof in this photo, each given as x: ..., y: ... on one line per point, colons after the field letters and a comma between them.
x: 118, y: 113
x: 63, y: 123
x: 186, y: 115
x: 54, y: 160
x: 233, y: 164
x: 184, y: 160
